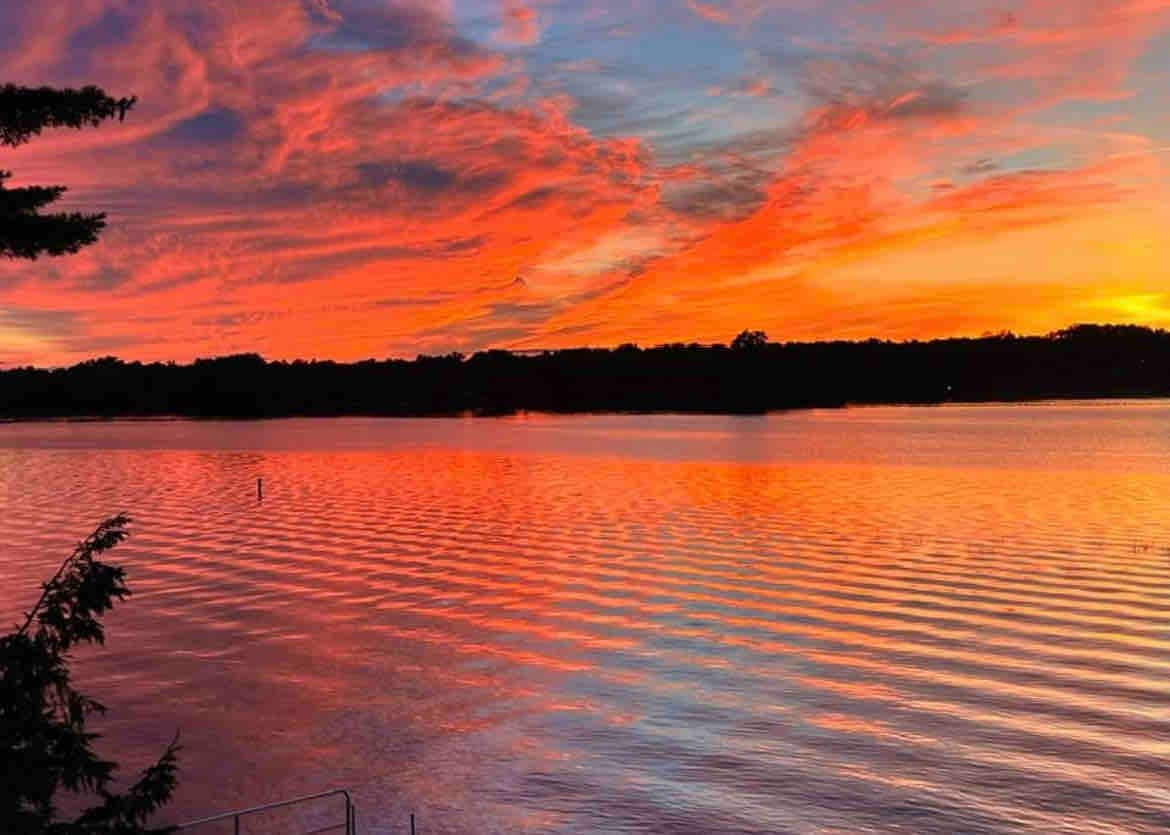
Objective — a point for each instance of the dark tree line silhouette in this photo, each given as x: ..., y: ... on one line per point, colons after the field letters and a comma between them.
x: 753, y: 376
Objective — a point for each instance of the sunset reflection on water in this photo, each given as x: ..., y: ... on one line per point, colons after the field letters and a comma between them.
x: 936, y: 619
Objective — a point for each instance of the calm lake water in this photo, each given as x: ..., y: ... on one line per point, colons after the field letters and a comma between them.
x: 945, y: 619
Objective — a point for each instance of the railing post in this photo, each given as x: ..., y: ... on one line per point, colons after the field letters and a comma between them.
x: 349, y: 825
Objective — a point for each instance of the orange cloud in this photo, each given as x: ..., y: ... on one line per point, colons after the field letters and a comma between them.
x: 795, y: 265
x: 709, y: 11
x: 520, y: 24
x: 351, y: 178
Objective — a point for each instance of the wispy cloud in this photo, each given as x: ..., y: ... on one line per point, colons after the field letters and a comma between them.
x: 516, y: 173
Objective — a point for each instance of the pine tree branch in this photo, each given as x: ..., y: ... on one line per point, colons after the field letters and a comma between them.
x: 26, y: 200
x: 105, y: 536
x: 30, y: 235
x: 26, y: 111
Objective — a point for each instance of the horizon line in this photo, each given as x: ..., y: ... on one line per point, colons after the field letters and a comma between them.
x: 535, y: 352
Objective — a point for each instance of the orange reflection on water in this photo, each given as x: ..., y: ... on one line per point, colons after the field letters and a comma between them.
x: 585, y: 623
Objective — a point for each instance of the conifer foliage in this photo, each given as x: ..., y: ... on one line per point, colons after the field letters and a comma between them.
x: 45, y: 748
x: 26, y: 229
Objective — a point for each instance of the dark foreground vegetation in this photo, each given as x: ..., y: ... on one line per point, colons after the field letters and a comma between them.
x: 47, y: 755
x: 750, y: 375
x: 52, y: 779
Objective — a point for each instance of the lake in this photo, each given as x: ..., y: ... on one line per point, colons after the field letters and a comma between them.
x: 947, y: 619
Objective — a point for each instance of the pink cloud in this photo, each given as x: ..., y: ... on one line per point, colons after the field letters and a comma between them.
x: 350, y: 178
x: 520, y: 24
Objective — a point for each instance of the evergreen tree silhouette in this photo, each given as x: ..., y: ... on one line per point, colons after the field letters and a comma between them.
x: 26, y: 230
x: 45, y: 747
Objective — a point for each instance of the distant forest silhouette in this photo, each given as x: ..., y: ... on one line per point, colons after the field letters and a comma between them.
x: 751, y: 375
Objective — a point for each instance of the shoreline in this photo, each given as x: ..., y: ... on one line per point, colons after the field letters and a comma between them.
x: 1082, y: 399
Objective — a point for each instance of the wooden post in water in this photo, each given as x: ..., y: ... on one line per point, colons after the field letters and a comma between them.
x: 412, y: 823
x: 259, y: 489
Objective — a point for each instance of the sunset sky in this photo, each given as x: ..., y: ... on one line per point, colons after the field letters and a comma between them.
x: 357, y: 178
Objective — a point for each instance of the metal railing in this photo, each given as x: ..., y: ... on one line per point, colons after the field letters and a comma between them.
x: 349, y: 826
